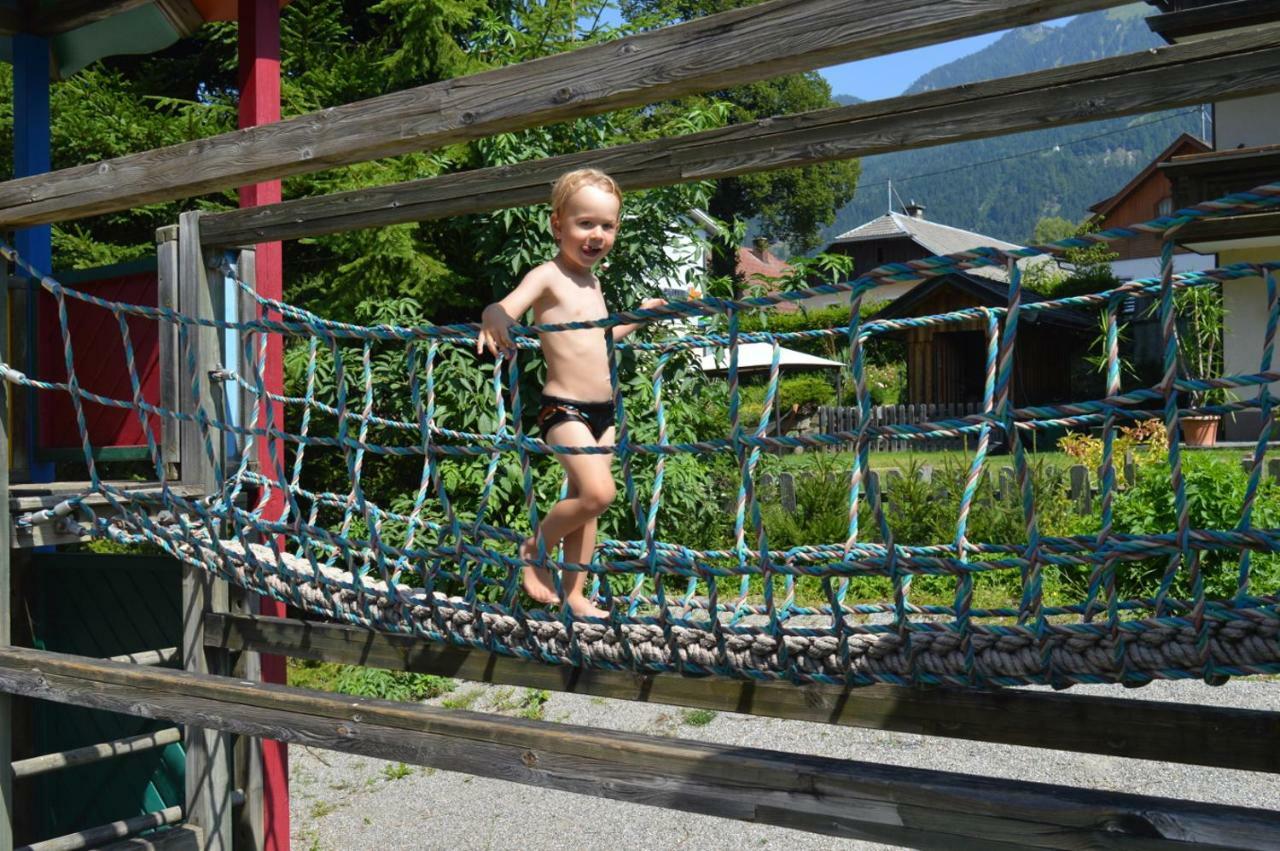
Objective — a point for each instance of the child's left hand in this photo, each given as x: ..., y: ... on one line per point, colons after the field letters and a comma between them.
x: 651, y: 303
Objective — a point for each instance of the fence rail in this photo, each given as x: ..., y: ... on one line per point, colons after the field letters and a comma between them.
x: 833, y: 419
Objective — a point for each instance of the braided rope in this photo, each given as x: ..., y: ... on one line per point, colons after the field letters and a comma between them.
x: 431, y: 567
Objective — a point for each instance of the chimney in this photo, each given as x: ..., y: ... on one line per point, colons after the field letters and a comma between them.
x: 762, y: 245
x: 914, y: 210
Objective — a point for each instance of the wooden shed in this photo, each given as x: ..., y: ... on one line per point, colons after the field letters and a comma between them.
x: 945, y: 362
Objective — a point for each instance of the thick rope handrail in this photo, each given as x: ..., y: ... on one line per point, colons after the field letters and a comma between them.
x: 431, y: 567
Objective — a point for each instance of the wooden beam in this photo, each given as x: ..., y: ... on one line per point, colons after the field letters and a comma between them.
x: 182, y: 15
x: 925, y: 809
x: 1141, y: 729
x: 67, y: 15
x: 1172, y: 76
x: 739, y: 46
x: 6, y: 588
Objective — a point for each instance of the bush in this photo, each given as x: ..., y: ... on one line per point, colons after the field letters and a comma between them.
x: 796, y: 392
x: 885, y: 382
x: 1215, y: 494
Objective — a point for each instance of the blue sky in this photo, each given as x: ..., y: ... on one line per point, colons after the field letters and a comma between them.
x: 887, y: 76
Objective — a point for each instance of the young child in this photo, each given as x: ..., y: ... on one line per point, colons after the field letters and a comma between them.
x: 577, y: 401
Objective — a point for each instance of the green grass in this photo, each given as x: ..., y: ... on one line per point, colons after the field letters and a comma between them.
x: 698, y: 717
x: 397, y: 771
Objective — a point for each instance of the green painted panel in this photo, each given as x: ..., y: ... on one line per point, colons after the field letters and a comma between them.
x: 141, y: 30
x: 98, y: 605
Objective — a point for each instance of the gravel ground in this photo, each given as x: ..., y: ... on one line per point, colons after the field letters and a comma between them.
x: 342, y: 802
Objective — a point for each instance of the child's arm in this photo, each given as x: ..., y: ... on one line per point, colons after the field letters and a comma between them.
x: 620, y: 331
x: 497, y: 318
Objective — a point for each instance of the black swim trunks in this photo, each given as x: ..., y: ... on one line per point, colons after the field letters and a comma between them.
x: 597, y: 416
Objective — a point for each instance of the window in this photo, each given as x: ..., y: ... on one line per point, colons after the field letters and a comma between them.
x: 1165, y: 207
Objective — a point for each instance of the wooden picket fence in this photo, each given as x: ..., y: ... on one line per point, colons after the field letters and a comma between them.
x: 834, y: 419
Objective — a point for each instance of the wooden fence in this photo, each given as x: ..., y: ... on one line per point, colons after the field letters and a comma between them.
x: 833, y: 419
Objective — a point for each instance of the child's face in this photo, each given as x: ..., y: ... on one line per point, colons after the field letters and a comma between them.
x: 586, y: 226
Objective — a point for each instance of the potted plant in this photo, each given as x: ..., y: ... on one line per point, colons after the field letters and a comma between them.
x: 1199, y: 315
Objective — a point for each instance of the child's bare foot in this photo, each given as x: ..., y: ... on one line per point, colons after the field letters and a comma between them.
x: 537, y: 580
x: 584, y: 608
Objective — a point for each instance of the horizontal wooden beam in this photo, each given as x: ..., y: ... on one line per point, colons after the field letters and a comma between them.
x: 903, y: 806
x: 1142, y: 729
x: 738, y: 46
x: 1178, y: 75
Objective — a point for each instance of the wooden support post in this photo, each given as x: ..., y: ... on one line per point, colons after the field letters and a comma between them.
x: 6, y: 600
x: 267, y: 817
x: 167, y: 297
x: 208, y: 798
x: 889, y: 804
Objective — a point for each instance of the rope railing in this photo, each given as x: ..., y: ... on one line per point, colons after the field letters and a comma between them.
x: 429, y: 564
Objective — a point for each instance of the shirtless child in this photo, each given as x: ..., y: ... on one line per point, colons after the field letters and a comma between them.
x: 577, y: 400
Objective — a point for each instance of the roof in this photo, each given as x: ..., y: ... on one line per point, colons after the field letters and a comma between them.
x: 758, y: 356
x: 985, y: 293
x: 1184, y: 145
x: 937, y: 239
x: 109, y: 29
x: 756, y: 264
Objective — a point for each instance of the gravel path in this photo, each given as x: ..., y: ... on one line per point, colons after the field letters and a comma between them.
x: 342, y: 802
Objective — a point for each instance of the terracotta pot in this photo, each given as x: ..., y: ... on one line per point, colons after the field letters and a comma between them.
x: 1200, y: 431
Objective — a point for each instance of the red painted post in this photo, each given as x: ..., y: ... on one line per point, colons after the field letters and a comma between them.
x: 260, y: 104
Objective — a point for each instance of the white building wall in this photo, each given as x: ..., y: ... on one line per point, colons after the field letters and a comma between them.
x: 1246, y: 122
x: 1149, y: 267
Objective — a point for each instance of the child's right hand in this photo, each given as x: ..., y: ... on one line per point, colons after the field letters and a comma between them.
x: 495, y: 331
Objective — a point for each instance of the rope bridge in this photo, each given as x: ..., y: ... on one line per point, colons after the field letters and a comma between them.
x: 430, y: 567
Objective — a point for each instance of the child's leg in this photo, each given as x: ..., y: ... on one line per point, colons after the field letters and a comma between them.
x: 591, y: 489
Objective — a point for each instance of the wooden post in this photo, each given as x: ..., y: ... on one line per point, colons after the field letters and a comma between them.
x: 259, y: 78
x: 170, y: 369
x: 208, y: 797
x: 6, y: 607
x: 35, y: 244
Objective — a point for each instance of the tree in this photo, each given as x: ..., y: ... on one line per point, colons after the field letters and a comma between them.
x: 790, y: 205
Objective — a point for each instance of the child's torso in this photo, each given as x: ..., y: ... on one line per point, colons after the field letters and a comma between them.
x: 578, y: 360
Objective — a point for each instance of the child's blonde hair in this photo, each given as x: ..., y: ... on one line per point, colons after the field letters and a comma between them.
x: 571, y: 181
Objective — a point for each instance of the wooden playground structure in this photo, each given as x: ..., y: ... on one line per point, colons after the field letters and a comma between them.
x: 216, y: 696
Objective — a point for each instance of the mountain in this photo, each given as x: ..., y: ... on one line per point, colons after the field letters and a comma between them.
x: 1002, y: 186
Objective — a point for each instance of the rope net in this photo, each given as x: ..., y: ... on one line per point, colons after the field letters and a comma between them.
x: 428, y: 566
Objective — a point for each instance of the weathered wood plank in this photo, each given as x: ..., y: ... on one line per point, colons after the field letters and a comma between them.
x: 1143, y: 729
x: 45, y: 763
x: 167, y: 297
x: 208, y: 751
x: 928, y: 809
x: 1174, y: 76
x: 96, y: 836
x: 6, y: 590
x: 733, y: 47
x: 197, y: 297
x: 181, y: 838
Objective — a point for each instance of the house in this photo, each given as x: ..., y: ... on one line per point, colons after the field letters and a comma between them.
x: 1246, y: 153
x: 1147, y: 196
x: 899, y: 238
x: 946, y: 362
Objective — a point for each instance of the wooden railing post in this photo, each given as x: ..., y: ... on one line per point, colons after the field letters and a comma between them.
x: 208, y: 752
x: 6, y: 544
